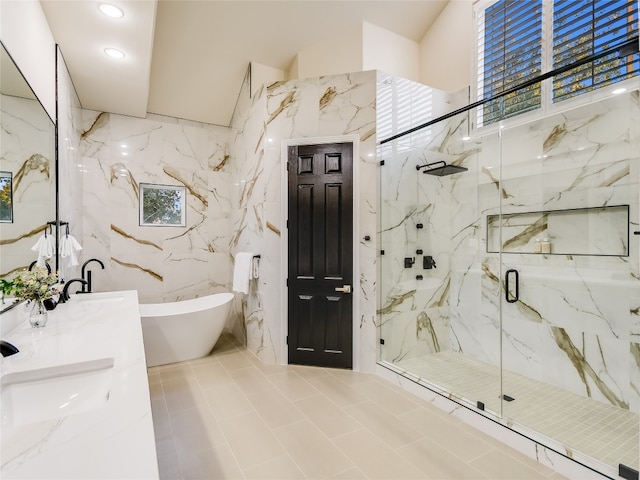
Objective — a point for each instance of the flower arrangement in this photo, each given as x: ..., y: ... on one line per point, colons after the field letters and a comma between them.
x: 37, y: 284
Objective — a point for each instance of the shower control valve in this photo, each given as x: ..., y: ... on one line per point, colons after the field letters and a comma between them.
x: 428, y: 262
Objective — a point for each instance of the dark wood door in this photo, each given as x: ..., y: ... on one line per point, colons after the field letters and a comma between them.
x: 320, y: 186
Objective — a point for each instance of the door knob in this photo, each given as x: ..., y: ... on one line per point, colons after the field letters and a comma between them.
x: 344, y: 289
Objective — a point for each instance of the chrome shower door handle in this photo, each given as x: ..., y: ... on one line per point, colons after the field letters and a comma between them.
x: 344, y: 289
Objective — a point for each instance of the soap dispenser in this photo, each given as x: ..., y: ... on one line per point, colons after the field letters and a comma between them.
x: 546, y: 245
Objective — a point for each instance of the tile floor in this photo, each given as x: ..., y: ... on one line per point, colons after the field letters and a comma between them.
x: 602, y: 431
x: 228, y: 416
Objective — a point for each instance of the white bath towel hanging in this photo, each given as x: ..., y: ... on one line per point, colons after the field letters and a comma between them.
x: 242, y: 272
x: 44, y: 247
x: 69, y: 247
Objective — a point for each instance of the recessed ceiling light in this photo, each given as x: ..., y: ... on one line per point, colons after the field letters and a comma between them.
x: 114, y: 52
x: 111, y: 10
x: 618, y: 91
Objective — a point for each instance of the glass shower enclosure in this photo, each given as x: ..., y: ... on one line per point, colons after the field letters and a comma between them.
x: 509, y: 272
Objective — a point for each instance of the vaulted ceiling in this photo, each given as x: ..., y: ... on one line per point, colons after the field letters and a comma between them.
x: 187, y: 59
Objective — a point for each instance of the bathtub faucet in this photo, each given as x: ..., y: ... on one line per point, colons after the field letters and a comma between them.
x: 87, y: 275
x: 64, y: 296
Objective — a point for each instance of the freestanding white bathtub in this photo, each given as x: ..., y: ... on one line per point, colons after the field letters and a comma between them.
x: 178, y: 331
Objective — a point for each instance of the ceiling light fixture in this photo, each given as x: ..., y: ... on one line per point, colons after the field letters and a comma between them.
x: 114, y: 52
x: 618, y: 91
x: 111, y: 10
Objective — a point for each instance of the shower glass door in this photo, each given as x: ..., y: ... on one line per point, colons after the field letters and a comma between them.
x: 439, y: 288
x: 571, y: 291
x: 512, y: 285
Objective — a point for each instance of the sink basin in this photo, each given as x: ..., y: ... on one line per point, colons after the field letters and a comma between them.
x: 54, y: 392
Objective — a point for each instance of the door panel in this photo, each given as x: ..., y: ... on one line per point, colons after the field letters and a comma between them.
x: 333, y: 234
x: 305, y: 231
x: 320, y: 260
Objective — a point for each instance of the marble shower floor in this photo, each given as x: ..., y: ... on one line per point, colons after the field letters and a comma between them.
x: 607, y: 433
x: 228, y: 416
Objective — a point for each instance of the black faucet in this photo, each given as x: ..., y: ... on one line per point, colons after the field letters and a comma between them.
x: 33, y: 264
x: 64, y: 296
x: 88, y: 274
x: 6, y: 349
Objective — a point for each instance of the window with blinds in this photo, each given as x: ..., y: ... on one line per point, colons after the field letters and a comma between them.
x: 512, y: 49
x: 583, y: 28
x: 401, y: 105
x: 510, y: 52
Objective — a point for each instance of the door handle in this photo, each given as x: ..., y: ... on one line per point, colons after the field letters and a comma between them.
x: 515, y: 298
x: 344, y: 289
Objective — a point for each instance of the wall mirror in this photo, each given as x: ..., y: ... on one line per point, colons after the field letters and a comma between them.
x: 27, y: 158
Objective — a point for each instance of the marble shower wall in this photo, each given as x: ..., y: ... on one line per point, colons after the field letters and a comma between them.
x: 415, y: 218
x: 319, y: 107
x: 69, y: 164
x: 576, y: 325
x: 162, y: 263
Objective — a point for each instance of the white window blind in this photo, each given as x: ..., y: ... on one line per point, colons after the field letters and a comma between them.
x: 401, y: 105
x: 512, y: 49
x: 586, y: 27
x: 510, y: 52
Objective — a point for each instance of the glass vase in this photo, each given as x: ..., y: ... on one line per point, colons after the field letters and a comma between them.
x: 38, y: 316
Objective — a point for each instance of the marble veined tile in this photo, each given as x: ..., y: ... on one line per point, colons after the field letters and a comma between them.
x: 575, y: 325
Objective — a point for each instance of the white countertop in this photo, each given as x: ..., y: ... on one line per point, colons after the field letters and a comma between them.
x: 112, y: 441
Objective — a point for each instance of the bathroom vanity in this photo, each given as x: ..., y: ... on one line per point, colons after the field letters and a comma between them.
x: 75, y: 399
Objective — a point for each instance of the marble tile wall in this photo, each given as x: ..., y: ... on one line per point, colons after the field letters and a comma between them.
x: 576, y: 323
x: 321, y: 107
x: 163, y: 263
x: 237, y: 172
x: 70, y: 169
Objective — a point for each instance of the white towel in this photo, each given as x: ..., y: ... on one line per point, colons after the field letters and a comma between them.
x: 68, y: 248
x: 44, y: 247
x: 242, y: 272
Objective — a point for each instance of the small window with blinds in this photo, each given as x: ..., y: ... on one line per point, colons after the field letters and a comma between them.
x: 402, y: 104
x: 512, y: 49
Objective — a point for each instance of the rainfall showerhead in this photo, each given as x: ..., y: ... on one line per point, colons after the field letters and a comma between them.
x: 441, y: 168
